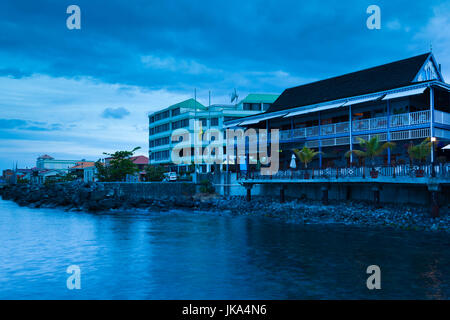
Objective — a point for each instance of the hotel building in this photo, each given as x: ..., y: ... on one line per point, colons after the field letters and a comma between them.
x: 403, y: 102
x: 183, y: 115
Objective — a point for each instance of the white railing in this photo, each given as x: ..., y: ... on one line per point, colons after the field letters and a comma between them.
x: 441, y: 117
x: 413, y: 118
x: 398, y: 120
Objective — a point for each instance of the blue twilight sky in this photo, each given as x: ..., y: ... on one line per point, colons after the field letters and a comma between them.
x: 76, y: 93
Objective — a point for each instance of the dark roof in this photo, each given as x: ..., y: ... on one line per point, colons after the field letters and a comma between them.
x: 385, y: 77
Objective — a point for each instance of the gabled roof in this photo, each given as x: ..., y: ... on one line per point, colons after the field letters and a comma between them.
x: 139, y: 160
x: 385, y: 77
x: 260, y: 98
x: 84, y: 164
x: 188, y: 104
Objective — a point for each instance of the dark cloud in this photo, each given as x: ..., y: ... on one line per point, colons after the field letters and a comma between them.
x: 207, y: 44
x: 14, y: 73
x: 115, y: 113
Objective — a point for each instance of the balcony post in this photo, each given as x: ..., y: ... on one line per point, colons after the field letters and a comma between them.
x: 320, y: 146
x: 388, y: 134
x: 350, y: 123
x: 432, y: 121
x: 292, y: 128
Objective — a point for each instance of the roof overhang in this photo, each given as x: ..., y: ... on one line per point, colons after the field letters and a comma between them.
x: 315, y: 109
x: 385, y: 95
x: 405, y: 93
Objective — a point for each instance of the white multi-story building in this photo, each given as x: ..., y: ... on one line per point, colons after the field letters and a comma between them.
x: 183, y: 116
x: 50, y: 163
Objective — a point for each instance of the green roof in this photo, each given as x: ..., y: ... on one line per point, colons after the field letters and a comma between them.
x: 260, y: 98
x: 188, y: 104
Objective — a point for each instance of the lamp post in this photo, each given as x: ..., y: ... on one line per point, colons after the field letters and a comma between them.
x: 433, y: 172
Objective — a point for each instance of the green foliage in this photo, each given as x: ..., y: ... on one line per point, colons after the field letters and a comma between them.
x: 119, y: 166
x: 206, y: 187
x: 69, y: 177
x: 155, y: 173
x: 371, y: 148
x: 420, y: 151
x: 306, y: 155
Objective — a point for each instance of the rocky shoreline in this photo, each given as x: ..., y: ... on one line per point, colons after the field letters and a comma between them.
x: 95, y: 198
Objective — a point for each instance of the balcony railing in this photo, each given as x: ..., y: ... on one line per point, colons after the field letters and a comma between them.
x: 395, y: 121
x: 393, y: 171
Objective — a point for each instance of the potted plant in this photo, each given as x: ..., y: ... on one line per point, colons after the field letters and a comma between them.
x: 306, y: 155
x: 420, y: 153
x: 372, y: 148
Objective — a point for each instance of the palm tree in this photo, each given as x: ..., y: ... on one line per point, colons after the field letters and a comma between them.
x: 372, y: 148
x: 306, y: 155
x: 420, y: 151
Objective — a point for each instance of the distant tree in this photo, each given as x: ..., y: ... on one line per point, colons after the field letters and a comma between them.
x: 118, y: 168
x: 154, y: 173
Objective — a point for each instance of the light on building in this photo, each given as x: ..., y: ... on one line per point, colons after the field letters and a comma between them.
x: 433, y: 139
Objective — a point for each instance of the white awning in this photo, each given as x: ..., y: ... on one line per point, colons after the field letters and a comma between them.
x: 404, y: 93
x: 309, y: 110
x: 447, y: 147
x: 253, y: 121
x: 362, y: 100
x: 243, y: 123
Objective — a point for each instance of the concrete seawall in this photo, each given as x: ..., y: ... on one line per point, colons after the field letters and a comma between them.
x: 418, y: 194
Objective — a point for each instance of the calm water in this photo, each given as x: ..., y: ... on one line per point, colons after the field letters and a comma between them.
x: 181, y: 255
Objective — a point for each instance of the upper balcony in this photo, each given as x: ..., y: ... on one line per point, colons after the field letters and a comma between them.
x: 396, y: 122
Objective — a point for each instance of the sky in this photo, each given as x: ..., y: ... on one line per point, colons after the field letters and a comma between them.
x: 75, y: 94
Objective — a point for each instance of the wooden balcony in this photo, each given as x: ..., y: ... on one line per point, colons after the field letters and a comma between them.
x: 373, y: 124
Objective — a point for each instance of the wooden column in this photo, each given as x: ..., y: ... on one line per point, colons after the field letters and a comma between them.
x: 282, y: 195
x: 432, y: 121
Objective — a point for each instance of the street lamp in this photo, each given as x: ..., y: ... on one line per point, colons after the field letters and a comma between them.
x: 433, y: 172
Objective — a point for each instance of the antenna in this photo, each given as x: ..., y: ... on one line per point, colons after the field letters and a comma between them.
x: 234, y: 96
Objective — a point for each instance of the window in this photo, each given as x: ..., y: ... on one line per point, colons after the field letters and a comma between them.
x: 161, y: 128
x: 160, y: 155
x: 247, y: 106
x: 266, y: 106
x: 180, y: 124
x: 159, y: 142
x: 214, y: 121
x: 204, y: 122
x: 162, y: 115
x: 175, y: 112
x: 256, y: 107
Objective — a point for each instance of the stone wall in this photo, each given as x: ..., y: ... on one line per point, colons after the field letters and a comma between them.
x: 151, y: 190
x: 102, y: 196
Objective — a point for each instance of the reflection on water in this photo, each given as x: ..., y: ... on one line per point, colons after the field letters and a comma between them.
x: 183, y: 255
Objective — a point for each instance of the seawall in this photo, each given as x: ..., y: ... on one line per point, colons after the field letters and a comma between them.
x: 102, y: 196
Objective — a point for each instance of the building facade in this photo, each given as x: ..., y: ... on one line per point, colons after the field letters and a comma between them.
x: 184, y: 116
x: 50, y: 163
x: 403, y: 102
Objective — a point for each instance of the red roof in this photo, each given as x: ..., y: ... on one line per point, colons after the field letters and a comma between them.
x: 84, y: 164
x: 139, y: 160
